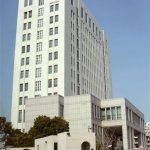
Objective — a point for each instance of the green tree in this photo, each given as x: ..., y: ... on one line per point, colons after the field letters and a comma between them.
x: 44, y: 126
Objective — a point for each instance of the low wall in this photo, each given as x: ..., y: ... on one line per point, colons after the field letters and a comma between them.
x: 25, y: 148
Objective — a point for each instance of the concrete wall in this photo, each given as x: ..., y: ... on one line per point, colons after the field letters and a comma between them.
x: 48, y: 106
x: 65, y: 142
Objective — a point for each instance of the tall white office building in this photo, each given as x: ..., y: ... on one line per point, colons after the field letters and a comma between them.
x: 60, y: 49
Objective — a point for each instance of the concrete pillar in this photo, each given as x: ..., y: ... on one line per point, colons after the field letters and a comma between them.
x: 133, y: 146
x: 125, y: 136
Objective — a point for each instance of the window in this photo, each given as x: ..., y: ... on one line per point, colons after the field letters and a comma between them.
x: 20, y: 100
x: 51, y: 8
x: 25, y: 3
x: 71, y: 2
x: 113, y: 112
x: 55, y: 146
x: 39, y: 46
x: 103, y: 114
x: 24, y: 26
x: 38, y: 72
x: 27, y: 73
x: 28, y: 48
x: 118, y: 113
x: 56, y: 30
x: 38, y: 59
x: 56, y: 42
x: 96, y: 31
x: 30, y: 14
x: 56, y: 7
x: 23, y: 49
x: 25, y: 15
x: 61, y: 108
x: 55, y: 82
x: 40, y: 34
x: 27, y: 61
x: 50, y: 70
x: 23, y: 117
x: 82, y: 12
x: 90, y: 22
x: 26, y: 87
x: 41, y: 2
x: 22, y: 61
x: 86, y: 17
x: 51, y: 31
x: 29, y: 25
x: 29, y: 36
x: 40, y: 23
x: 40, y: 12
x: 50, y: 56
x: 30, y: 2
x: 50, y: 83
x: 24, y: 37
x: 21, y: 74
x: 108, y: 113
x: 55, y: 68
x: 93, y: 27
x: 56, y: 18
x: 55, y: 55
x: 25, y: 98
x: 51, y: 19
x: 50, y: 43
x: 37, y: 85
x: 20, y: 116
x: 21, y: 87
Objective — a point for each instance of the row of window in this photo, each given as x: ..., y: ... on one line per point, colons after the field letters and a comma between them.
x: 26, y: 37
x: 52, y: 7
x: 28, y: 14
x: 89, y: 21
x: 27, y: 26
x: 25, y: 61
x: 41, y: 2
x: 111, y: 113
x: 21, y: 116
x: 55, y: 55
x: 53, y: 19
x: 28, y: 2
x: 52, y: 69
x: 41, y: 10
x: 22, y: 100
x: 51, y: 82
x: 39, y: 46
x: 53, y: 31
x: 25, y: 49
x: 38, y: 71
x: 40, y: 36
x: 53, y: 42
x: 39, y: 58
x: 23, y: 87
x: 24, y: 74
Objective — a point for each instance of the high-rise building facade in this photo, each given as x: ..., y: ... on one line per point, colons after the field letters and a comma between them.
x: 60, y: 49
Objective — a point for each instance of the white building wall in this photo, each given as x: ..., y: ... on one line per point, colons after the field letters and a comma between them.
x: 83, y: 114
x: 65, y: 142
x: 129, y: 126
x: 48, y: 106
x: 80, y: 68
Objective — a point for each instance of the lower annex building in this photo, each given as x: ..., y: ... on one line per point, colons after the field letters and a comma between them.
x: 114, y: 120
